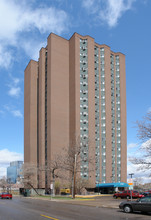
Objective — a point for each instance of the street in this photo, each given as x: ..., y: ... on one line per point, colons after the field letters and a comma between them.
x: 21, y: 208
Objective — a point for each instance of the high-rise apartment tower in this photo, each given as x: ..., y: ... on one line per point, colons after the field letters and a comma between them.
x: 77, y: 87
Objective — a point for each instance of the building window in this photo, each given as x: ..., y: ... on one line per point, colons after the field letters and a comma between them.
x: 84, y: 130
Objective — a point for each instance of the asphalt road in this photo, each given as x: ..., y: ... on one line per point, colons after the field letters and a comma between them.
x: 20, y: 208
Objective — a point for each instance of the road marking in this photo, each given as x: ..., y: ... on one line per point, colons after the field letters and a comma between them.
x: 49, y: 217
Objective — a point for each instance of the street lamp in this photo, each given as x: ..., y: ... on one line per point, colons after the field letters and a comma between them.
x: 131, y: 175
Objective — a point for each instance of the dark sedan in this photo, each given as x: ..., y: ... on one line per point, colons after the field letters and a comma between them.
x: 142, y: 204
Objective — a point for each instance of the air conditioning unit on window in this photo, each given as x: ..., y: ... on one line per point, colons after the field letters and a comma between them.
x: 84, y: 69
x: 85, y: 114
x: 85, y: 99
x: 84, y: 159
x: 84, y: 84
x: 84, y: 92
x: 85, y: 136
x: 85, y: 175
x: 84, y: 47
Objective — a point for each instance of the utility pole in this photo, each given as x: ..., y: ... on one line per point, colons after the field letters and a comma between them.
x: 131, y: 175
x: 98, y: 188
x: 53, y: 182
x: 74, y: 180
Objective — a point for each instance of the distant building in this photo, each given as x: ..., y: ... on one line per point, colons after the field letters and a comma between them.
x: 14, y: 171
x: 77, y: 87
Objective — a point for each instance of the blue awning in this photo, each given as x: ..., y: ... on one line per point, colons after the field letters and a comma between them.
x: 114, y: 185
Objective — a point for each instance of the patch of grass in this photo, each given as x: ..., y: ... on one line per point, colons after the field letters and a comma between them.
x: 51, y: 197
x: 62, y: 197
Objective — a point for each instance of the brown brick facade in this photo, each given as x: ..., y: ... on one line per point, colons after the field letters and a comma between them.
x: 53, y: 110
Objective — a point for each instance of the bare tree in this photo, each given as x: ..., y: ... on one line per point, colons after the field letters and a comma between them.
x: 147, y: 186
x: 53, y: 170
x: 30, y: 176
x: 72, y: 160
x: 144, y: 135
x: 82, y: 184
x: 3, y: 183
x: 138, y: 183
x: 67, y: 165
x: 57, y: 187
x: 144, y: 128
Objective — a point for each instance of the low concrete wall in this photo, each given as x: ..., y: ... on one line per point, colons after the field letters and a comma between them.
x: 40, y: 191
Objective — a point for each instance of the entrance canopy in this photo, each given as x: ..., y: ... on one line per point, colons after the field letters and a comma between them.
x: 115, y: 185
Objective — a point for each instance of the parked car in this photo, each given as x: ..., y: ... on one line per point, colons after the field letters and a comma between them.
x: 126, y: 194
x: 141, y: 195
x: 147, y: 193
x: 144, y: 194
x: 6, y: 195
x: 143, y: 204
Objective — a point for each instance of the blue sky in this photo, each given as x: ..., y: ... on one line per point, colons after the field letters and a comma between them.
x: 124, y: 25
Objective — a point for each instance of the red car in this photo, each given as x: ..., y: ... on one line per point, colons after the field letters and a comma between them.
x: 126, y: 194
x: 141, y: 195
x: 146, y: 193
x: 6, y: 195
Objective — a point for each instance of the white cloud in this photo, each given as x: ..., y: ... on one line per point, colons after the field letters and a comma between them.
x: 145, y: 1
x: 108, y: 11
x: 19, y: 17
x: 140, y: 151
x: 132, y: 145
x: 90, y: 6
x: 32, y: 48
x: 115, y: 10
x: 149, y: 110
x: 1, y: 112
x: 133, y: 150
x: 133, y: 168
x: 88, y: 3
x: 7, y: 107
x: 6, y: 157
x: 146, y: 145
x: 5, y: 57
x: 16, y: 17
x: 16, y: 81
x: 14, y: 91
x: 17, y: 113
x: 138, y: 169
